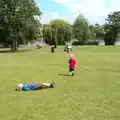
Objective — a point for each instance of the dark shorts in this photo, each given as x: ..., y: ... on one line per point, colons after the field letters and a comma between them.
x: 71, y: 69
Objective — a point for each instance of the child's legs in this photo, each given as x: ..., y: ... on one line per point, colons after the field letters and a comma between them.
x: 51, y: 85
x: 45, y: 84
x: 42, y: 85
x: 71, y: 70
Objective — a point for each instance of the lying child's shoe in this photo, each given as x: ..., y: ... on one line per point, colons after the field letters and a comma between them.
x: 52, y: 85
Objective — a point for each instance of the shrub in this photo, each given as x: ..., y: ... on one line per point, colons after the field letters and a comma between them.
x: 77, y: 43
x: 91, y: 42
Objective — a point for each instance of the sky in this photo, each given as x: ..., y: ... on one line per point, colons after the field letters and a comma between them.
x: 95, y: 11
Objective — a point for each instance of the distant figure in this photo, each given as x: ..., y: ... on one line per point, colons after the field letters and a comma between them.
x: 27, y: 87
x: 72, y: 63
x: 69, y: 48
x: 38, y: 46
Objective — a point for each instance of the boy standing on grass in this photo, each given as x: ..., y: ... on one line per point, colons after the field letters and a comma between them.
x: 72, y: 63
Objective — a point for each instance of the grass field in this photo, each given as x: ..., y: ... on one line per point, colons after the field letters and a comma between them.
x: 92, y: 94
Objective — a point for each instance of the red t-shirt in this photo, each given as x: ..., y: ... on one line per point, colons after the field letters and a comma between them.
x: 72, y: 63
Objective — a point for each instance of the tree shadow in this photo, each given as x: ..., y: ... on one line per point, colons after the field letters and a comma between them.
x: 63, y: 74
x: 19, y: 51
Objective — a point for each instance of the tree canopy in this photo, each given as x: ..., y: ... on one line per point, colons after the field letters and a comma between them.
x: 18, y: 23
x: 81, y: 29
x: 112, y: 28
x: 57, y: 32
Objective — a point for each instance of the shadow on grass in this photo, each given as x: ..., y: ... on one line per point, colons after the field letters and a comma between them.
x: 63, y: 75
x: 19, y: 51
x: 109, y: 70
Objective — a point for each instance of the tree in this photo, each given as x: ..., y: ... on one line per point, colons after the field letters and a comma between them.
x: 97, y: 31
x: 112, y: 28
x: 62, y: 31
x: 47, y: 33
x: 92, y: 30
x: 54, y: 37
x: 18, y: 20
x: 90, y: 34
x: 57, y: 32
x: 81, y: 29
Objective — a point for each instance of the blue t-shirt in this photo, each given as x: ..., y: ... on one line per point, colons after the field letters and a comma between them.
x: 30, y: 87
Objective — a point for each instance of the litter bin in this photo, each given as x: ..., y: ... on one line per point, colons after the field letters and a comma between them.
x: 52, y: 49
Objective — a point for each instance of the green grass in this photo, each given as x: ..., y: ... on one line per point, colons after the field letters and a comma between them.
x: 92, y: 94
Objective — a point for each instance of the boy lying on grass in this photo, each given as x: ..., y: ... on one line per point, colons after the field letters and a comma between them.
x: 26, y: 87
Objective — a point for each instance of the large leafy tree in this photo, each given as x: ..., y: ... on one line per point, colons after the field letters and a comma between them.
x: 47, y: 33
x: 57, y: 32
x: 62, y: 31
x: 97, y: 31
x: 112, y: 28
x: 81, y: 29
x: 18, y: 21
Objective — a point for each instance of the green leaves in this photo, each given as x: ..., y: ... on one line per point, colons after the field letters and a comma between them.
x: 57, y: 32
x: 112, y: 28
x: 81, y: 29
x: 47, y: 33
x: 20, y: 18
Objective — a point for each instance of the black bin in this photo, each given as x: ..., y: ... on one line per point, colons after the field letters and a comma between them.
x: 52, y: 49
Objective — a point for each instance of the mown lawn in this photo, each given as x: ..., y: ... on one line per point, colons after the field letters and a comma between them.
x: 92, y: 94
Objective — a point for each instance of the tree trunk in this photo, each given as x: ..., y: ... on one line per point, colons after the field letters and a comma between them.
x: 14, y: 46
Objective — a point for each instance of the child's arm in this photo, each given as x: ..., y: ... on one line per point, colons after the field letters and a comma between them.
x: 74, y: 61
x: 69, y: 61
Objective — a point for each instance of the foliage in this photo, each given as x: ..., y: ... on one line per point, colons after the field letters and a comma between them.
x: 57, y: 32
x: 77, y: 43
x: 81, y: 29
x: 63, y: 30
x: 97, y: 31
x: 88, y: 42
x: 47, y: 33
x: 112, y: 28
x: 91, y: 42
x: 18, y: 21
